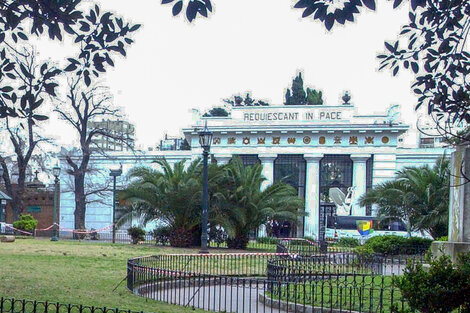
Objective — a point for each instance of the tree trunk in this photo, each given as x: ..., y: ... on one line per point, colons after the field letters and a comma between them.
x: 80, y: 201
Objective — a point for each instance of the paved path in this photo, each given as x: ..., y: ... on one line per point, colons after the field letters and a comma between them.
x: 217, y: 298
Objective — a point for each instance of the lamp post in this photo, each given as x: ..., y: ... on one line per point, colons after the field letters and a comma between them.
x: 56, y: 173
x: 2, y: 203
x: 205, y: 140
x: 114, y: 173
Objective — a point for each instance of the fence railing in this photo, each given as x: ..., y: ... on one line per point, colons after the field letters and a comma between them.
x: 337, y: 292
x: 11, y: 305
x: 272, y: 282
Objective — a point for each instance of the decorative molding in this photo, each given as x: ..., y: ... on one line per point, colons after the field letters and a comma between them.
x: 369, y: 140
x: 313, y: 157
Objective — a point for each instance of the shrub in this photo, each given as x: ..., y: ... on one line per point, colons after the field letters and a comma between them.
x: 180, y: 238
x: 137, y: 234
x: 161, y: 235
x: 444, y: 287
x: 94, y: 234
x: 364, y: 251
x: 386, y: 244
x: 348, y: 242
x: 443, y: 238
x: 26, y: 222
x: 217, y: 235
x: 417, y: 245
x: 267, y: 240
x: 393, y: 245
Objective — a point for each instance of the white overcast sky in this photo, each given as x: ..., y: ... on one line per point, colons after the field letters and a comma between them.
x: 246, y: 45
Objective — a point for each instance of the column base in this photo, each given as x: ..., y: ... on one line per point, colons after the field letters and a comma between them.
x: 452, y: 249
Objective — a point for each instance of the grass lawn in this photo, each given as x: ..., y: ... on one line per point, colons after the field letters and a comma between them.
x: 75, y: 272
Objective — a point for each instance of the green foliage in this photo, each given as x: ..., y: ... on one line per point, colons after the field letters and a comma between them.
x: 418, y: 195
x: 314, y: 97
x: 171, y: 195
x: 444, y: 287
x: 298, y: 96
x: 267, y: 240
x: 161, y: 235
x: 137, y: 234
x: 240, y: 206
x: 216, y: 112
x: 238, y: 101
x: 443, y: 238
x: 364, y: 251
x: 26, y: 222
x: 394, y: 245
x: 348, y: 242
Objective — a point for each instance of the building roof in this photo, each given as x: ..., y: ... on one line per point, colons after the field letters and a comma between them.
x: 4, y: 196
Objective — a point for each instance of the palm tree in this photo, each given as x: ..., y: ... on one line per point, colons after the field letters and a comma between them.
x: 240, y: 206
x: 418, y: 195
x: 171, y: 196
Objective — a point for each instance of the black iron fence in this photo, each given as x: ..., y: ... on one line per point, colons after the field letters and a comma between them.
x: 272, y: 282
x: 11, y: 305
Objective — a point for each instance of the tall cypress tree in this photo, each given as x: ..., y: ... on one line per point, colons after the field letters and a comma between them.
x: 288, y: 97
x: 298, y: 93
x: 297, y: 96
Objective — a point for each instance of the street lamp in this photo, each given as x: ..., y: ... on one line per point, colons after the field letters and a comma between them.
x: 56, y: 173
x: 3, y: 204
x: 205, y: 140
x: 114, y: 173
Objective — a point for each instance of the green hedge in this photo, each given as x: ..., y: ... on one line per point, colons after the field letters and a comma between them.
x: 394, y: 245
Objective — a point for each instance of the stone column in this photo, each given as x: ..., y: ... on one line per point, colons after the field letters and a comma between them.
x: 359, y: 181
x: 223, y: 158
x: 459, y: 207
x: 267, y: 161
x: 312, y: 195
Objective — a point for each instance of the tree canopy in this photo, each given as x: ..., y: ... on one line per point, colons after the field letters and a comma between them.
x: 418, y: 195
x: 98, y: 36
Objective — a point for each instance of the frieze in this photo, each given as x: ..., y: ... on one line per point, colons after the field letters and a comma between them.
x: 369, y: 140
x: 261, y: 141
x: 291, y: 140
x: 307, y: 140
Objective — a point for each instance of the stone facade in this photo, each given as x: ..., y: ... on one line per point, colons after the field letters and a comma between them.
x: 303, y: 140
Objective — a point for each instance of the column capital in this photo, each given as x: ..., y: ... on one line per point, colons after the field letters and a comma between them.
x: 313, y: 157
x: 267, y: 157
x: 360, y: 157
x: 223, y: 158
